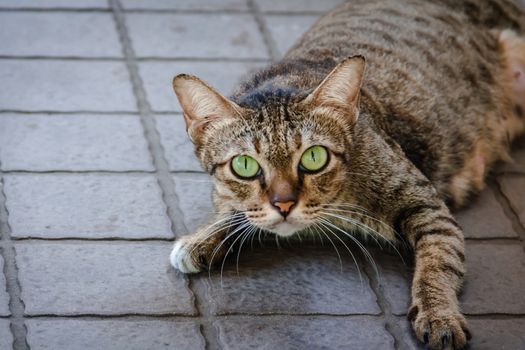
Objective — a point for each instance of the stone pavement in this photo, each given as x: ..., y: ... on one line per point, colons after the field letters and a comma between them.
x: 98, y: 178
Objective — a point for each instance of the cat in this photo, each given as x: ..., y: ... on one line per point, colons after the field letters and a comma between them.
x: 384, y: 115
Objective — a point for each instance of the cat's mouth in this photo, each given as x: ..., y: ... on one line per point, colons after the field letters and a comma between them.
x: 285, y: 228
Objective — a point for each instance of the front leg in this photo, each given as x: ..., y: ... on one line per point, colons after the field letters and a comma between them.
x: 198, y: 251
x: 439, y: 269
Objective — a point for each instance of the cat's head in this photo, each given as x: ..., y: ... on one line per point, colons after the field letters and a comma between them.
x: 281, y: 162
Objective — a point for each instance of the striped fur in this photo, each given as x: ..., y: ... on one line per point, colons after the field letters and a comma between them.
x: 442, y: 97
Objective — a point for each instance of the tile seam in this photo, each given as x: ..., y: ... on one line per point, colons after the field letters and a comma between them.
x: 7, y: 249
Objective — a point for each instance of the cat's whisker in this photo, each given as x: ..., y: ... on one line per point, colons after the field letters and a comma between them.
x: 224, y: 223
x: 246, y: 235
x: 347, y: 248
x: 396, y: 233
x: 356, y: 241
x: 242, y: 226
x: 333, y: 244
x: 247, y: 225
x: 366, y: 227
x: 359, y: 224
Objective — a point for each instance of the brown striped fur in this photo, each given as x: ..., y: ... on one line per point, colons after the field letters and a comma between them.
x: 442, y: 97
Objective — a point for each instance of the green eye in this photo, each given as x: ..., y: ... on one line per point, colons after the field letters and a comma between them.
x: 245, y: 166
x: 314, y: 158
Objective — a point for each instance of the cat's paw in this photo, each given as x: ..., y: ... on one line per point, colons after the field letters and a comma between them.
x: 181, y: 257
x: 439, y: 328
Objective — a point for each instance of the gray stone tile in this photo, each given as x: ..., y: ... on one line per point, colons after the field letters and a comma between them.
x: 409, y: 337
x: 88, y: 206
x: 285, y: 30
x: 207, y: 5
x: 305, y: 280
x: 116, y: 334
x: 497, y: 334
x: 157, y: 77
x: 194, y: 192
x: 4, y: 297
x: 494, y: 282
x: 484, y: 218
x: 102, y: 278
x: 357, y: 332
x: 395, y: 276
x: 53, y: 34
x: 73, y: 142
x: 55, y: 4
x: 513, y: 188
x: 196, y: 35
x: 6, y: 338
x: 56, y: 85
x: 487, y: 334
x: 177, y: 145
x: 297, y: 5
x: 518, y: 159
x: 485, y: 281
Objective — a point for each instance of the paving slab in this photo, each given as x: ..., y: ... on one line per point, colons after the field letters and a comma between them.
x: 180, y: 151
x: 158, y: 76
x: 395, y: 276
x: 86, y: 206
x: 305, y: 280
x: 53, y: 34
x: 73, y: 142
x: 485, y: 218
x: 194, y: 192
x: 178, y: 148
x: 513, y: 187
x: 191, y: 5
x: 54, y: 4
x: 518, y: 158
x: 487, y: 334
x: 286, y: 30
x: 60, y: 85
x: 100, y: 278
x: 116, y: 334
x: 4, y: 297
x: 6, y: 337
x: 486, y: 289
x: 297, y: 5
x: 183, y: 35
x: 494, y: 282
x: 358, y: 332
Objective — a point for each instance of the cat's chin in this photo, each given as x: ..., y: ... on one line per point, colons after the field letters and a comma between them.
x: 285, y: 229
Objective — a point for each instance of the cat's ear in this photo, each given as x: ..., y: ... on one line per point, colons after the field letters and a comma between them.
x: 340, y: 89
x: 202, y: 105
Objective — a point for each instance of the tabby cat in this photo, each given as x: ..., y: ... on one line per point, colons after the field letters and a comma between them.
x: 318, y: 139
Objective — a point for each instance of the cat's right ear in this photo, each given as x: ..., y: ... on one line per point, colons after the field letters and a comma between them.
x: 202, y: 105
x: 340, y: 90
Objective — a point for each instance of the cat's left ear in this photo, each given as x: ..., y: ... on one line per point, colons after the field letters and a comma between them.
x: 202, y: 105
x: 340, y: 90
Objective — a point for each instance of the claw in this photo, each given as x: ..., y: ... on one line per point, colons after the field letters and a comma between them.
x: 426, y: 337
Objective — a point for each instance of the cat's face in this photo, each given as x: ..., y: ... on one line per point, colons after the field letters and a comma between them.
x: 279, y: 164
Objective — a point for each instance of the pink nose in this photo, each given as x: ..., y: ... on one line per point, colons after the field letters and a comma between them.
x: 284, y: 207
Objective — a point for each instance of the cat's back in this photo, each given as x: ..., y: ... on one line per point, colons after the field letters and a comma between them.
x: 434, y: 78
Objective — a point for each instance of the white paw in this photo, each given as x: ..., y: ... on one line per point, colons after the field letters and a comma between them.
x: 181, y: 260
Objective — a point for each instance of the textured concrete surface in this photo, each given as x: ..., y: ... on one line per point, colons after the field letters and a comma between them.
x: 6, y: 338
x: 99, y: 278
x: 47, y: 142
x: 4, y: 297
x: 97, y: 176
x: 86, y: 205
x: 119, y: 334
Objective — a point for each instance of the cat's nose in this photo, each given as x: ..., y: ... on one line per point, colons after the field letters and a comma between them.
x: 282, y: 194
x: 284, y: 207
